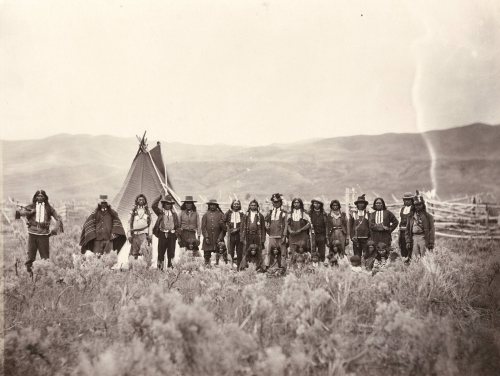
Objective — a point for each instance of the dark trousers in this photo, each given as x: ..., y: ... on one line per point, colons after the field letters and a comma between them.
x: 402, y: 244
x: 234, y: 245
x: 359, y: 247
x: 37, y: 243
x: 320, y: 242
x: 166, y: 243
x: 207, y: 255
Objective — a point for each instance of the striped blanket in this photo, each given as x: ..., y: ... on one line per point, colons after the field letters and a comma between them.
x: 89, y: 233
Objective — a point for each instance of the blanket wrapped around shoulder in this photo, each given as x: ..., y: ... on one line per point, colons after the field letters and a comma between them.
x: 89, y: 233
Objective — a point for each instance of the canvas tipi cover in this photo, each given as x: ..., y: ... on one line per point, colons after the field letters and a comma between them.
x: 148, y: 176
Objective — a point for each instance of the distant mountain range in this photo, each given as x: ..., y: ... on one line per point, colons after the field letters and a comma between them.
x: 82, y: 167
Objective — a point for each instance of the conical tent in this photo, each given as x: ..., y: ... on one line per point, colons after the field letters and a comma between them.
x: 148, y: 176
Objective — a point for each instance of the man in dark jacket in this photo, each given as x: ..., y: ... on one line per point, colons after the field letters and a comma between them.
x: 234, y: 220
x: 359, y: 223
x: 275, y: 223
x: 253, y: 235
x: 405, y: 212
x: 420, y: 229
x: 165, y: 229
x: 319, y: 226
x: 382, y: 223
x: 213, y: 228
x: 38, y: 215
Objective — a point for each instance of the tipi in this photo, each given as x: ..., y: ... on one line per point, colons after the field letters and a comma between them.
x: 147, y: 175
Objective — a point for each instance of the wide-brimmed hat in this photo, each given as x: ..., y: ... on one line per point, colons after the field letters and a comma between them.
x: 168, y: 199
x: 317, y: 199
x: 212, y: 201
x: 361, y: 199
x: 408, y: 196
x: 189, y: 199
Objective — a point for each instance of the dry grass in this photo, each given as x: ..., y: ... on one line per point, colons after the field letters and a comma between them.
x: 438, y: 316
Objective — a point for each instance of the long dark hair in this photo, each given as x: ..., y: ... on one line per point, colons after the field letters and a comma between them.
x: 136, y: 204
x: 183, y: 206
x: 42, y: 192
x: 311, y: 208
x: 383, y: 203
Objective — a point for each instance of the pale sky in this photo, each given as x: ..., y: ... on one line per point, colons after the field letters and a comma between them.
x: 246, y: 72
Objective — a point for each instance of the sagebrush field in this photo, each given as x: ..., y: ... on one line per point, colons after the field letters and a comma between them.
x: 436, y: 316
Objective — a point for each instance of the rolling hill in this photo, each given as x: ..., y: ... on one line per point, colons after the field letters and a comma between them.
x: 82, y: 166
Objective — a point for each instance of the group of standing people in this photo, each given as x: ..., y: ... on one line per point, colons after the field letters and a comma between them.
x: 295, y: 236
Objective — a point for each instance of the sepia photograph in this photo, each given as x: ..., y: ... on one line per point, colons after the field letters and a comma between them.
x: 253, y: 187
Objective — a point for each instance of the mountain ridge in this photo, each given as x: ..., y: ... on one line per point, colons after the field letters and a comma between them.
x: 83, y: 166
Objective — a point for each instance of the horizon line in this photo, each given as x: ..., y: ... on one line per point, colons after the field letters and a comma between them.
x: 305, y: 140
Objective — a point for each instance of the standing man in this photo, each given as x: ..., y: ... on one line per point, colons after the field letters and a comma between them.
x: 404, y: 214
x: 190, y: 225
x: 360, y: 226
x: 337, y: 227
x: 382, y: 223
x: 298, y: 225
x: 253, y: 234
x: 275, y: 224
x: 319, y: 224
x: 213, y: 229
x: 420, y: 231
x: 234, y: 221
x: 103, y: 230
x: 165, y: 229
x: 38, y: 215
x: 139, y: 222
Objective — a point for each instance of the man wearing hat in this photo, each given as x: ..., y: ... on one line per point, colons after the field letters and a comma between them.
x: 38, y: 215
x: 405, y: 212
x: 190, y: 224
x: 359, y: 226
x: 213, y: 229
x: 234, y: 220
x: 420, y: 229
x: 165, y: 229
x: 102, y: 231
x: 275, y: 224
x: 319, y: 224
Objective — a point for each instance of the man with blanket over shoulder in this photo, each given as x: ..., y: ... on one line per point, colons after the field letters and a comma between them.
x: 103, y: 230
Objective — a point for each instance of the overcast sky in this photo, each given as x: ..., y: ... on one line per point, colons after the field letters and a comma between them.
x: 246, y: 72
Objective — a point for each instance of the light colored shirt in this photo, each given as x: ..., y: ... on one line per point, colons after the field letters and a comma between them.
x: 40, y: 212
x: 297, y: 215
x: 235, y: 218
x: 141, y: 221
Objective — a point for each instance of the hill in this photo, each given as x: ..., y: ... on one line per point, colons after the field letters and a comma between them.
x: 83, y: 166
